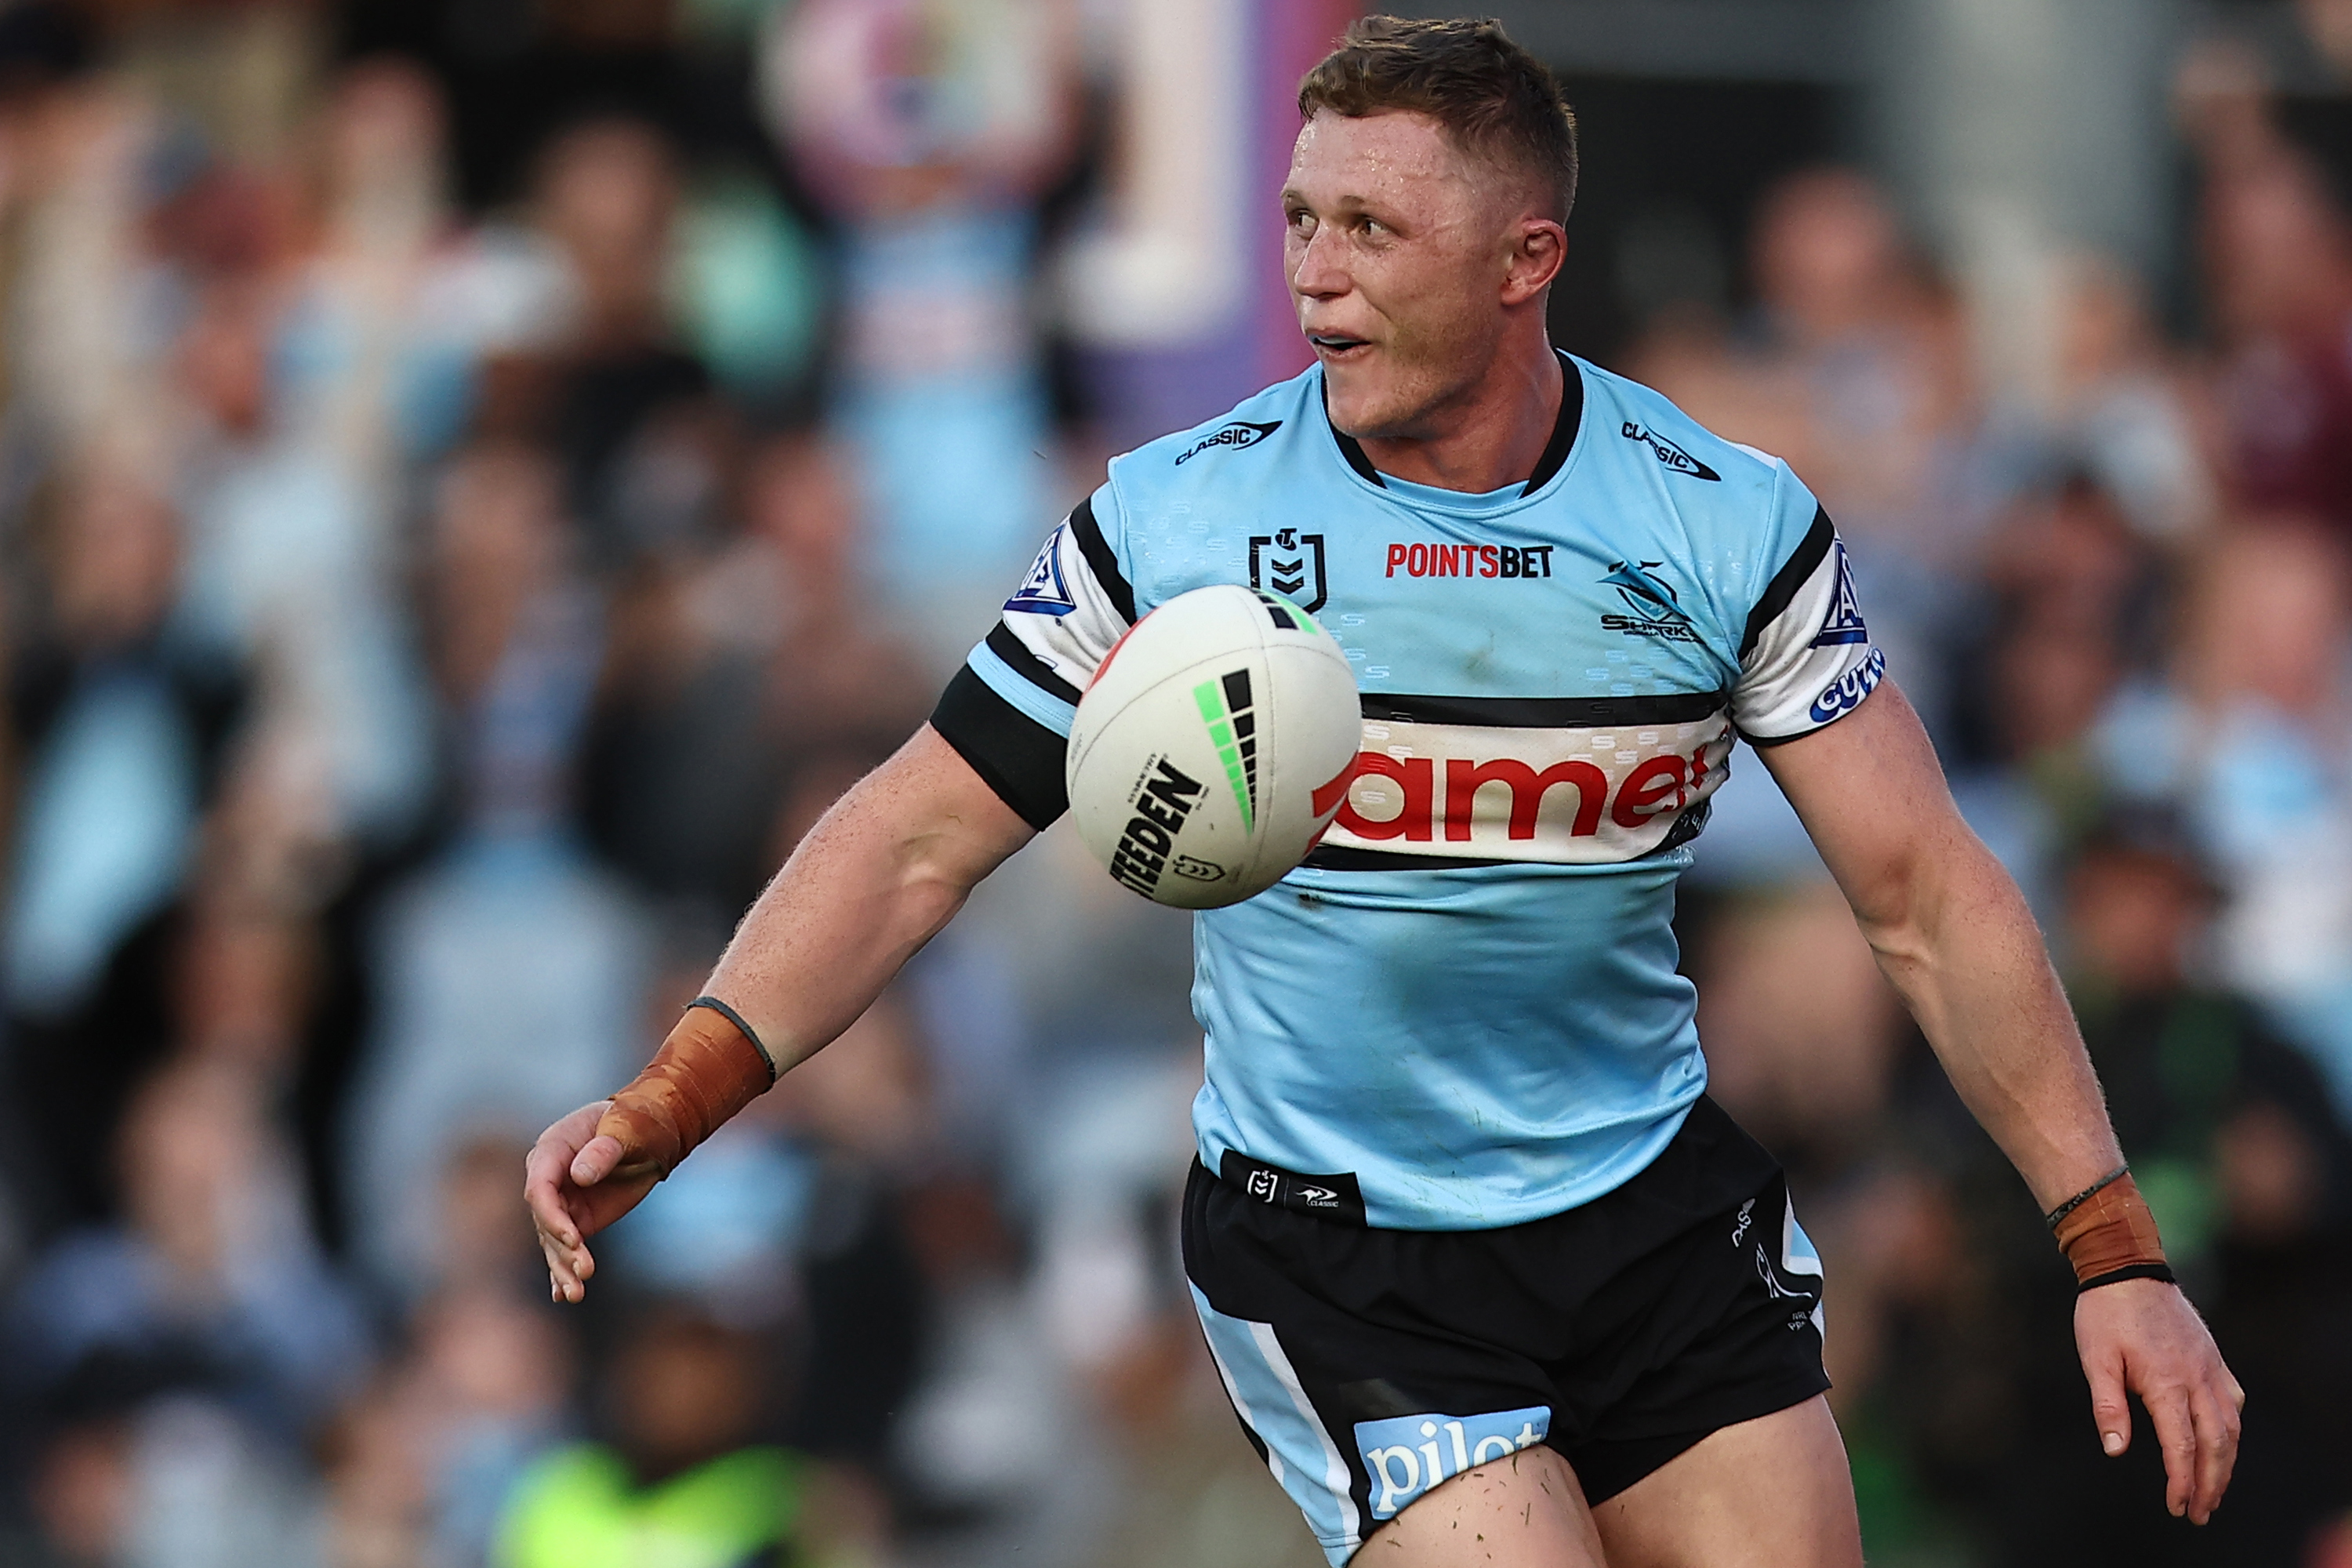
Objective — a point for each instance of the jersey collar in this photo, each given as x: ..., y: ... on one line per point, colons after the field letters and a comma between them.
x: 1555, y: 453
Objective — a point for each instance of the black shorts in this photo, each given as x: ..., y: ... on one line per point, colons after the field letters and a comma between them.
x: 1368, y: 1365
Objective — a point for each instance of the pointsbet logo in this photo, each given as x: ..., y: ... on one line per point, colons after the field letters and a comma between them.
x: 1407, y: 1454
x: 1470, y: 560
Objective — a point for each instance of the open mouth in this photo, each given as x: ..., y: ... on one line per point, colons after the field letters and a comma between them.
x: 1337, y: 346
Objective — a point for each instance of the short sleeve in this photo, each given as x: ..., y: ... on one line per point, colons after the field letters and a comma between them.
x: 1806, y: 659
x: 1009, y: 710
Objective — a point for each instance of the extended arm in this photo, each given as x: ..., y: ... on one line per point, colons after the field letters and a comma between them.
x: 1956, y: 939
x: 886, y: 867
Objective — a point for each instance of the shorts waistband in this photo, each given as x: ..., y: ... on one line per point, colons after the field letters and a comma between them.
x: 1337, y: 1197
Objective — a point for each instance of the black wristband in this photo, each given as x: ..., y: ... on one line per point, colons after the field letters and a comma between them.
x: 2086, y: 1196
x: 2129, y: 1271
x: 732, y: 1016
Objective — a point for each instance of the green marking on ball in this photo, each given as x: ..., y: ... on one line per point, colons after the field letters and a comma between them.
x: 1212, y: 703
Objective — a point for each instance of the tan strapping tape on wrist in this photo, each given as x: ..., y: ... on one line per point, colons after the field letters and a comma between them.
x: 705, y: 1072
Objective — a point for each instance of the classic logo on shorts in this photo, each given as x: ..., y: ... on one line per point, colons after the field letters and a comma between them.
x: 1241, y: 432
x: 1668, y: 454
x: 1290, y: 564
x: 1166, y: 799
x: 1407, y: 1454
x: 1657, y: 612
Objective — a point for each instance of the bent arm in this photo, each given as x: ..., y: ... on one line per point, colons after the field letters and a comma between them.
x: 876, y: 877
x: 1954, y: 935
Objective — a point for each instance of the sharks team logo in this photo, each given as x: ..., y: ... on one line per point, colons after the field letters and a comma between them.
x: 1290, y: 564
x: 1657, y: 610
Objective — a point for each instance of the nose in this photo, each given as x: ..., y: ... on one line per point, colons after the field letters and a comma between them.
x: 1316, y: 271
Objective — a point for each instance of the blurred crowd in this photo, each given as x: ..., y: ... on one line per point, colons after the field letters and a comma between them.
x: 427, y: 615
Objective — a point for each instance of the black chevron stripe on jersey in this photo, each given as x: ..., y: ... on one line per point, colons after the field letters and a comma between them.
x: 1102, y: 559
x: 1027, y: 664
x: 1802, y: 564
x: 1547, y: 712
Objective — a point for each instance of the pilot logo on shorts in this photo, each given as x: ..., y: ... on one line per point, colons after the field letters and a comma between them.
x: 1407, y: 1454
x: 1290, y: 564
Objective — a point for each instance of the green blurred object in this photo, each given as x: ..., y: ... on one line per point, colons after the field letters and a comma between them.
x: 579, y: 1507
x: 1901, y: 1526
x: 746, y: 285
x: 2181, y: 1195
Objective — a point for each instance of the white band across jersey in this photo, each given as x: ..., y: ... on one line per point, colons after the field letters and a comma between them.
x: 1562, y: 781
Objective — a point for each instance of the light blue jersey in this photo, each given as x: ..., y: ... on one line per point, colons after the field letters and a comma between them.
x: 1465, y: 1007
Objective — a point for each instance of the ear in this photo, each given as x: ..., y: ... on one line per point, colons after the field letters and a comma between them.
x: 1538, y: 246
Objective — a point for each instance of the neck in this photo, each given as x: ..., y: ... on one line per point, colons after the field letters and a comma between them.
x: 1493, y: 435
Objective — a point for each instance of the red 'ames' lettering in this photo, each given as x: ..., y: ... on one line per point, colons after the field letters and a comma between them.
x: 1655, y: 786
x: 1464, y: 780
x: 1418, y: 777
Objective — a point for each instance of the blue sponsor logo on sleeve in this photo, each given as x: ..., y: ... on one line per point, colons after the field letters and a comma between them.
x: 1045, y: 592
x: 1407, y: 1454
x: 1852, y: 687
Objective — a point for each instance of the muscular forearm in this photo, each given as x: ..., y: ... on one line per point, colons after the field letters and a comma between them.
x: 876, y: 879
x: 1964, y: 951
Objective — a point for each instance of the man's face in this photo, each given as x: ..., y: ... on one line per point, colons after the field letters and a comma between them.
x: 1397, y: 250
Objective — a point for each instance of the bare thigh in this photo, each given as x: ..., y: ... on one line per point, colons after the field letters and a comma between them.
x: 1522, y: 1510
x: 1773, y: 1492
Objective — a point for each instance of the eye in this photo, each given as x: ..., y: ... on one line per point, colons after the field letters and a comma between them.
x: 1301, y: 219
x: 1372, y: 225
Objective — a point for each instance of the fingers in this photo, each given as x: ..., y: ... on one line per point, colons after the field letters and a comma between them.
x: 548, y: 1188
x: 2217, y: 1448
x: 596, y: 1160
x: 2109, y: 1408
x: 2176, y: 1434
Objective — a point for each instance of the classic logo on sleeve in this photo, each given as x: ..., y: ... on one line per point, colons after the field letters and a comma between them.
x: 1669, y: 456
x: 1407, y: 1454
x: 1241, y: 432
x: 1045, y: 592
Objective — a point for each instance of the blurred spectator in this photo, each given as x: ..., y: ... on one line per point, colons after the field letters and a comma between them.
x: 2249, y: 739
x: 683, y: 1475
x: 211, y: 1280
x: 627, y: 398
x: 2278, y: 254
x: 511, y: 970
x: 931, y: 130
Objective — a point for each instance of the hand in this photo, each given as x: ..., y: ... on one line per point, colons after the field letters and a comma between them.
x: 2142, y: 1336
x: 576, y: 1183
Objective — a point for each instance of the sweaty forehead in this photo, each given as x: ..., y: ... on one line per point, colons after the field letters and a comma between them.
x: 1377, y: 158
